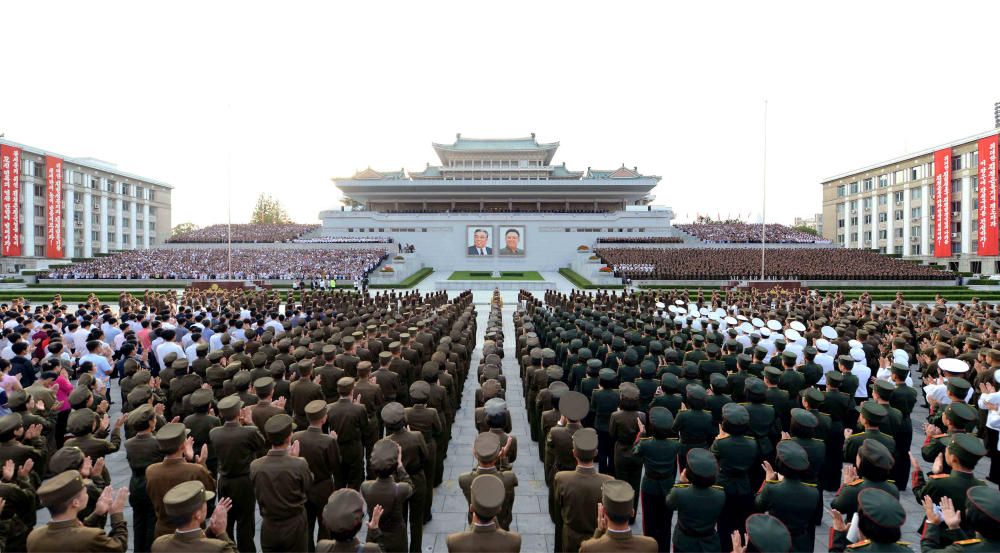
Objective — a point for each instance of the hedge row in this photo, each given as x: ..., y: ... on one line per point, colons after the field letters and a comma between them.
x: 583, y: 283
x: 408, y: 282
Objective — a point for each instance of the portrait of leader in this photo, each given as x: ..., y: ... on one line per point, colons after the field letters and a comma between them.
x: 513, y: 241
x: 479, y: 241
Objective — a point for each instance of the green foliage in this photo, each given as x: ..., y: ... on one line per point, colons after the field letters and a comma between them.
x: 183, y: 228
x: 585, y: 284
x: 807, y: 230
x: 408, y: 282
x: 268, y: 211
x: 488, y: 275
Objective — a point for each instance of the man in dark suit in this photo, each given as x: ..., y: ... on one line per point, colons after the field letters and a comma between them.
x: 479, y: 246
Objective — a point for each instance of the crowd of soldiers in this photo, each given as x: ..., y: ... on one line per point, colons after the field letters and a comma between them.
x: 779, y: 264
x: 250, y: 232
x: 742, y: 233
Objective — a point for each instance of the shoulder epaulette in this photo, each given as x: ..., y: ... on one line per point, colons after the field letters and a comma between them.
x: 937, y: 476
x: 818, y: 440
x: 646, y: 438
x: 939, y: 435
x: 861, y: 543
x: 722, y: 438
x: 750, y: 438
x: 856, y: 482
x: 907, y: 543
x: 682, y: 485
x: 773, y: 481
x: 717, y: 486
x: 744, y: 403
x: 969, y: 541
x: 891, y: 481
x: 674, y: 439
x: 810, y: 484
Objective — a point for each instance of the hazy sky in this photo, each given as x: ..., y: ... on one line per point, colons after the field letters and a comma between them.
x: 299, y: 92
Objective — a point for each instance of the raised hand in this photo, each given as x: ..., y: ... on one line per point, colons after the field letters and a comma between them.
x: 189, y: 448
x: 951, y: 516
x: 739, y: 544
x: 104, y: 502
x: 376, y: 517
x: 602, y: 518
x: 86, y: 469
x: 8, y: 470
x: 280, y: 404
x: 120, y: 500
x: 847, y: 433
x: 938, y: 467
x: 294, y: 450
x: 105, y: 422
x: 769, y: 473
x: 837, y: 522
x: 202, y: 457
x: 217, y: 524
x: 25, y: 469
x: 98, y: 466
x: 932, y: 517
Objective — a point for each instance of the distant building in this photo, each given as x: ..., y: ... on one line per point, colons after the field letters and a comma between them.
x: 55, y: 207
x: 815, y: 223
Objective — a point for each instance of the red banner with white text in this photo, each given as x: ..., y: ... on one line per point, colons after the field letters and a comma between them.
x: 942, y: 203
x: 53, y: 207
x: 987, y: 235
x: 10, y: 194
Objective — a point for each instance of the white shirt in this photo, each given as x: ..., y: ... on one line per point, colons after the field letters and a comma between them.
x: 165, y: 348
x: 824, y: 360
x: 80, y: 340
x: 215, y: 342
x: 864, y: 374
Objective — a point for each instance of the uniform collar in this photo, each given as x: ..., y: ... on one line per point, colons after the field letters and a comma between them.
x: 619, y: 534
x: 314, y: 429
x: 586, y: 470
x: 484, y: 528
x: 68, y: 523
x: 277, y: 452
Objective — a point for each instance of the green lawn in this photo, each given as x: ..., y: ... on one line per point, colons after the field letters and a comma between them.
x: 408, y: 282
x: 580, y: 282
x: 488, y: 275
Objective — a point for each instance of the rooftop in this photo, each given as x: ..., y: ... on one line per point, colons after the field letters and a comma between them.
x: 88, y: 162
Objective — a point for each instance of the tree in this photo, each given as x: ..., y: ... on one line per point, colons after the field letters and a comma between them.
x: 268, y: 211
x: 183, y: 228
x: 807, y: 230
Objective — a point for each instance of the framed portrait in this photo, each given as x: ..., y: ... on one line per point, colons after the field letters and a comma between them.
x: 511, y: 241
x: 479, y: 240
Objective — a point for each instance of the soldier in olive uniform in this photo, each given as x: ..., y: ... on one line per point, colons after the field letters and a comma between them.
x: 694, y: 425
x: 349, y: 419
x: 658, y: 453
x: 577, y: 492
x: 163, y: 476
x: 488, y: 450
x: 487, y: 497
x: 393, y: 496
x: 281, y: 484
x: 321, y: 452
x: 698, y: 503
x: 303, y: 392
x: 426, y: 420
x: 794, y: 502
x: 142, y: 451
x: 982, y: 511
x: 764, y: 534
x: 903, y: 398
x: 956, y: 418
x: 343, y: 516
x: 414, y: 452
x: 840, y: 407
x: 200, y: 423
x: 624, y: 430
x: 870, y: 470
x: 603, y: 403
x: 872, y: 415
x: 65, y: 495
x: 370, y: 396
x: 573, y: 407
x: 963, y: 453
x: 613, y: 532
x: 264, y: 409
x: 189, y: 501
x: 881, y: 517
x: 237, y: 443
x: 736, y: 453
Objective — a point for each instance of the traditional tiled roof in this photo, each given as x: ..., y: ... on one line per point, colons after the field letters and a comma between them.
x: 619, y: 173
x: 493, y: 144
x: 372, y: 174
x: 429, y: 172
x: 561, y: 172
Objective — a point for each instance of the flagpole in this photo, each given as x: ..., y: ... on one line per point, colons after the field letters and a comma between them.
x: 763, y: 197
x: 229, y: 190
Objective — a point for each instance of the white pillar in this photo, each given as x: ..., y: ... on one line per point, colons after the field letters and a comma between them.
x: 890, y: 211
x: 145, y: 226
x: 925, y: 219
x: 906, y: 222
x: 861, y: 223
x: 847, y: 224
x: 966, y: 215
x: 28, y: 213
x: 102, y: 203
x: 119, y: 229
x: 132, y: 225
x: 69, y: 208
x: 88, y: 216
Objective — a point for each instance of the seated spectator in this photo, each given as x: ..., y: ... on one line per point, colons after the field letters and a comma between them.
x: 742, y: 233
x: 217, y: 234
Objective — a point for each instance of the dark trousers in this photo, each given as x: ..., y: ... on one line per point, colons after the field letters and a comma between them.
x: 61, y: 420
x: 143, y: 517
x: 734, y: 514
x: 241, y: 515
x: 430, y: 471
x: 417, y: 511
x: 352, y: 466
x: 656, y: 519
x: 605, y: 453
x: 281, y: 536
x: 629, y: 469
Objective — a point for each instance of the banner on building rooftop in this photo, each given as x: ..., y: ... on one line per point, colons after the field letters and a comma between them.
x: 53, y: 207
x: 942, y: 203
x: 10, y: 193
x: 987, y: 236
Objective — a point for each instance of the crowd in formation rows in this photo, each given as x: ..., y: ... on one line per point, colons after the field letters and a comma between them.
x: 740, y: 233
x: 215, y: 263
x: 244, y: 232
x: 779, y: 264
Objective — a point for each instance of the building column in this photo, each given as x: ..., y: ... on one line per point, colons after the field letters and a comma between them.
x: 28, y: 213
x: 103, y: 203
x: 907, y: 224
x: 145, y: 226
x: 88, y: 242
x: 69, y: 208
x: 925, y: 219
x: 119, y: 229
x: 133, y: 236
x: 847, y: 224
x: 861, y: 223
x: 967, y: 215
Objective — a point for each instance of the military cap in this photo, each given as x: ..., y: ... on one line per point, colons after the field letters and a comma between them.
x: 558, y: 389
x: 960, y: 413
x: 767, y: 533
x: 65, y: 458
x: 755, y: 386
x: 385, y: 355
x: 140, y: 417
x: 420, y: 391
x: 345, y: 384
x: 835, y: 377
x: 60, y: 488
x: 215, y: 356
x: 698, y: 338
x: 772, y: 372
x: 79, y: 396
x: 170, y: 358
x: 139, y: 396
x: 554, y: 372
x: 789, y: 355
x: 607, y: 375
x: 900, y: 370
x: 594, y: 364
x: 968, y: 448
x: 881, y: 507
x: 263, y: 386
x: 487, y: 447
x: 791, y: 454
x: 660, y: 417
x: 718, y: 380
x: 736, y: 414
x: 548, y: 353
x: 494, y: 406
x: 585, y: 440
x: 804, y: 418
x: 700, y: 462
x: 430, y: 370
x: 984, y: 500
x: 186, y: 498
x: 81, y: 421
x: 487, y: 495
x: 395, y: 345
x: 171, y: 437
x: 201, y: 397
x: 875, y: 453
x: 958, y: 386
x: 617, y: 497
x: 695, y: 391
x: 230, y: 406
x: 712, y: 348
x: 574, y: 406
x: 628, y: 391
x: 393, y: 413
x: 845, y: 359
x: 814, y: 395
x: 242, y: 378
x: 347, y: 341
x: 873, y: 412
x: 279, y: 427
x: 315, y: 409
x: 16, y: 399
x: 180, y: 364
x: 385, y: 455
x: 810, y: 350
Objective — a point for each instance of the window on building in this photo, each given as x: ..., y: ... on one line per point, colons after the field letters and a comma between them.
x: 956, y: 227
x: 39, y: 230
x: 152, y: 195
x: 956, y: 163
x: 39, y: 211
x: 898, y: 232
x: 868, y: 219
x: 956, y: 186
x: 78, y: 216
x: 866, y: 203
x: 111, y: 237
x: 915, y: 212
x: 882, y: 234
x: 915, y: 193
x: 883, y: 199
x: 975, y: 204
x: 973, y: 158
x: 95, y: 218
x: 956, y: 207
x: 854, y: 237
x: 840, y: 239
x: 899, y: 176
x: 39, y: 190
x: 882, y: 217
x: 915, y: 249
x: 111, y: 220
x: 868, y: 184
x: 126, y: 222
x: 854, y: 188
x: 897, y: 196
x: 915, y: 231
x: 868, y: 236
x: 897, y: 215
x: 883, y: 181
x: 840, y: 223
x: 841, y: 191
x: 854, y: 221
x: 840, y: 209
x: 152, y: 226
x: 916, y: 172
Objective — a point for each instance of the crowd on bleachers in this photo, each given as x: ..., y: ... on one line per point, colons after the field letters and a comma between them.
x: 344, y: 240
x: 640, y: 240
x: 253, y: 233
x: 745, y: 264
x: 492, y: 210
x: 214, y: 263
x: 742, y: 233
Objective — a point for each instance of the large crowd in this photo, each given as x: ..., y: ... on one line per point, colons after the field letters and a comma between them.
x: 739, y: 233
x: 252, y: 233
x: 639, y: 240
x: 215, y: 263
x: 344, y: 240
x: 779, y: 264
